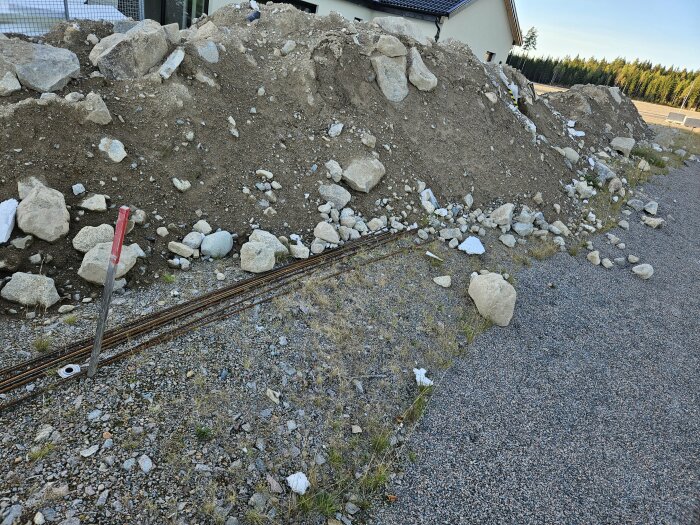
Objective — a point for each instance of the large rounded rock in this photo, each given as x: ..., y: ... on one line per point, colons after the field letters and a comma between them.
x: 494, y: 297
x: 30, y: 289
x: 326, y: 232
x: 336, y: 194
x: 257, y: 257
x: 419, y: 74
x: 43, y: 213
x: 94, y: 266
x: 217, y: 245
x: 90, y: 236
x: 40, y: 67
x: 264, y: 237
x: 391, y: 76
x: 503, y: 215
x: 364, y: 174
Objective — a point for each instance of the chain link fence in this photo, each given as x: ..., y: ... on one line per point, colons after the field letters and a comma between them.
x: 36, y: 17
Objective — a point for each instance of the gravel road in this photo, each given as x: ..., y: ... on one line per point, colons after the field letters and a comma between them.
x: 586, y: 409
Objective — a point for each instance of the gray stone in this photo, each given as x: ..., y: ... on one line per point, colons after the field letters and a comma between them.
x: 403, y: 27
x: 571, y: 154
x: 635, y: 204
x: 90, y: 236
x: 180, y: 249
x: 419, y: 74
x: 391, y: 76
x: 202, y: 226
x: 594, y: 257
x: 494, y: 297
x: 288, y: 47
x: 94, y: 266
x: 145, y: 464
x: 644, y: 271
x: 113, y: 148
x: 43, y: 213
x: 335, y: 194
x: 94, y: 203
x: 265, y: 237
x: 503, y: 215
x: 95, y: 109
x: 217, y: 244
x: 651, y: 207
x: 299, y: 251
x: 181, y: 185
x: 132, y: 54
x: 508, y: 240
x: 9, y: 84
x: 206, y: 50
x: 326, y: 232
x: 389, y: 45
x: 171, y: 63
x: 364, y: 174
x: 30, y: 289
x: 193, y: 239
x: 40, y: 67
x: 523, y: 229
x: 623, y: 145
x: 257, y: 257
x: 334, y: 170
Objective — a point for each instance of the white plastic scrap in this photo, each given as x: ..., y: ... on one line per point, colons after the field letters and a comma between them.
x: 298, y: 482
x: 432, y: 255
x: 8, y: 209
x: 254, y: 5
x: 420, y: 377
x: 69, y: 370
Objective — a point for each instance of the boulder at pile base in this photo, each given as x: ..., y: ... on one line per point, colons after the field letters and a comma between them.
x: 494, y: 297
x: 43, y: 213
x: 90, y: 236
x: 623, y: 145
x: 217, y: 245
x: 419, y: 74
x: 257, y: 257
x: 335, y: 194
x: 132, y: 54
x: 40, y: 67
x: 364, y: 174
x: 326, y: 232
x: 503, y: 215
x: 94, y: 266
x: 267, y: 238
x: 30, y: 289
x: 391, y: 76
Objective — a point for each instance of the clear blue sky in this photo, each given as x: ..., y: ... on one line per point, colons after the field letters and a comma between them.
x: 663, y: 31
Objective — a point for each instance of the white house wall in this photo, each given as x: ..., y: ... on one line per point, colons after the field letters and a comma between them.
x: 483, y: 25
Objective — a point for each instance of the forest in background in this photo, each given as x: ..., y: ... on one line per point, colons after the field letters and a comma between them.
x: 639, y: 80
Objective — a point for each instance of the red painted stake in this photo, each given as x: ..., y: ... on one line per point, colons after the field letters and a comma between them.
x: 109, y: 284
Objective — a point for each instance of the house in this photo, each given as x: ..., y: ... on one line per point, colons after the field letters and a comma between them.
x: 489, y: 27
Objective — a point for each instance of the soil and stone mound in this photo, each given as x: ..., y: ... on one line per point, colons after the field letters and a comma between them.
x: 243, y: 124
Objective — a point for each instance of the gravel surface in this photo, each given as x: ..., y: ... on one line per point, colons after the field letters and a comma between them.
x: 586, y: 408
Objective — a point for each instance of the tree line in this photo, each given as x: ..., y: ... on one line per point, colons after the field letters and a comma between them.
x: 639, y: 79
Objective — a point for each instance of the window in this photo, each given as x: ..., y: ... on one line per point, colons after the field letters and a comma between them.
x: 489, y: 56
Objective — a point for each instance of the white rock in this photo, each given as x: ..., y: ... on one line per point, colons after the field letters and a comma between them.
x: 94, y: 266
x: 9, y: 84
x: 623, y: 144
x: 257, y: 257
x: 335, y: 129
x: 644, y: 271
x: 172, y: 63
x: 207, y: 51
x: 145, y: 464
x: 651, y: 207
x: 78, y: 189
x: 202, y: 226
x: 326, y: 232
x: 334, y: 170
x: 562, y: 228
x: 193, y: 240
x: 90, y: 236
x: 298, y: 482
x: 30, y: 289
x: 180, y: 249
x: 41, y: 67
x: 94, y: 203
x: 182, y: 185
x: 217, y: 245
x: 472, y: 246
x: 444, y: 280
x: 391, y: 76
x: 364, y: 174
x: 43, y: 213
x: 113, y: 148
x: 503, y: 215
x: 418, y: 73
x: 8, y: 210
x: 288, y: 47
x: 299, y: 251
x: 267, y: 238
x: 335, y: 194
x: 594, y: 257
x: 162, y: 231
x: 389, y: 45
x: 508, y: 240
x: 643, y: 165
x: 494, y: 297
x: 403, y: 27
x: 571, y: 155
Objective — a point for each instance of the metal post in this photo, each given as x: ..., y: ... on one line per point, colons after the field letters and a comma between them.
x: 65, y: 9
x: 142, y: 14
x: 109, y: 284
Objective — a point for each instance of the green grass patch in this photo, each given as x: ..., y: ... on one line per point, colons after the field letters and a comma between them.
x: 36, y: 455
x: 42, y: 344
x: 168, y: 278
x: 651, y: 156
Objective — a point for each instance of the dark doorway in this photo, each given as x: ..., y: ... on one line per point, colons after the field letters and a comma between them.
x: 175, y: 11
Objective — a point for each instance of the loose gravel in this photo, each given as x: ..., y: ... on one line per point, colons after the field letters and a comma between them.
x: 586, y: 408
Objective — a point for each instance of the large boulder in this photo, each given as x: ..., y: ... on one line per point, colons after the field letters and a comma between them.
x: 94, y: 266
x: 43, y: 213
x: 90, y: 236
x: 391, y: 76
x: 40, y: 67
x: 30, y: 289
x: 623, y: 145
x: 494, y: 297
x: 257, y: 257
x: 335, y: 194
x: 267, y: 238
x: 402, y: 27
x: 326, y: 232
x: 364, y: 174
x: 217, y: 245
x: 131, y: 54
x: 503, y: 215
x: 419, y: 74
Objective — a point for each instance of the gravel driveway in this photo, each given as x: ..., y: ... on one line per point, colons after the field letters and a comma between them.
x: 586, y: 409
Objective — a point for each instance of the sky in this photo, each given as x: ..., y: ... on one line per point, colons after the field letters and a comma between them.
x: 663, y: 31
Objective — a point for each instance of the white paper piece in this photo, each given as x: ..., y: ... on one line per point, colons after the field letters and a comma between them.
x: 8, y: 209
x: 420, y: 377
x: 298, y: 482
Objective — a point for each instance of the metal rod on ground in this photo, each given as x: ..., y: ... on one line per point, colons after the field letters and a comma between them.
x: 109, y: 284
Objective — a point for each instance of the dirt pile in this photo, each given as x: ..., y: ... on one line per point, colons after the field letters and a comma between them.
x: 298, y: 97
